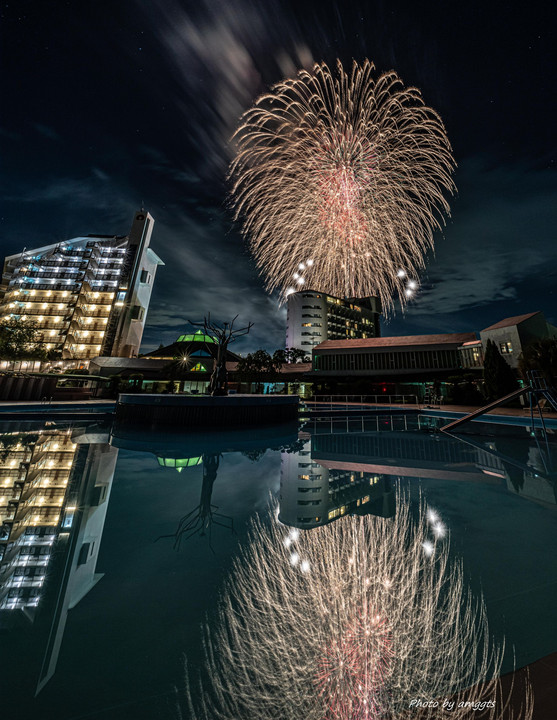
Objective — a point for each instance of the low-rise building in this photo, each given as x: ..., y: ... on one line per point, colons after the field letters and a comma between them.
x: 512, y: 335
x: 390, y: 356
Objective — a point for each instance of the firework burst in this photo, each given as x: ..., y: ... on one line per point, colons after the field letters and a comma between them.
x: 373, y: 626
x: 346, y: 171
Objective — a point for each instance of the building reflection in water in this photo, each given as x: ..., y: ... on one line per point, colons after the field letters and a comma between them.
x: 54, y: 491
x: 342, y: 471
x: 55, y: 486
x: 314, y: 492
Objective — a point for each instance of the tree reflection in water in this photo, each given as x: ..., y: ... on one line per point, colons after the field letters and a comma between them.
x: 204, y: 515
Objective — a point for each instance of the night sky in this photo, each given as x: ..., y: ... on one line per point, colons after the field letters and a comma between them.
x: 106, y: 106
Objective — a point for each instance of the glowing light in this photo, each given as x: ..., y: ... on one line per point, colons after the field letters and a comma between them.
x: 412, y: 284
x: 439, y: 530
x: 294, y: 558
x: 354, y: 167
x: 429, y: 547
x: 432, y: 516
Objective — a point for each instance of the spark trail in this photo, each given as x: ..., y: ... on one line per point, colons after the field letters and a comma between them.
x: 348, y: 171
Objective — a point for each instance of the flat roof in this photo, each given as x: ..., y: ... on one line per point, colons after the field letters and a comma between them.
x: 400, y: 341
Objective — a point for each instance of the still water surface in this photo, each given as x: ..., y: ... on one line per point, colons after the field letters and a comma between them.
x: 99, y: 604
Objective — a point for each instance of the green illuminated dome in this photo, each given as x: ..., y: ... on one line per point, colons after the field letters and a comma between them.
x: 196, y: 337
x: 180, y: 463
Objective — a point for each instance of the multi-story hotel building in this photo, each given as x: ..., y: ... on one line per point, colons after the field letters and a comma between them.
x: 313, y: 317
x: 87, y: 296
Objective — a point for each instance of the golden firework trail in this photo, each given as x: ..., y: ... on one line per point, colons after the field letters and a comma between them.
x: 346, y: 171
x: 364, y: 618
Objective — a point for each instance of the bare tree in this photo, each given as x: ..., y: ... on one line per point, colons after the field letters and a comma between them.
x: 222, y: 335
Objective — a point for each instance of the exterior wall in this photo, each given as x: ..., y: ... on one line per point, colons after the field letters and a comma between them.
x: 85, y: 295
x: 313, y: 317
x: 512, y: 340
x: 507, y: 340
x: 304, y: 489
x: 471, y: 355
x: 387, y: 361
x: 306, y: 320
x: 137, y: 288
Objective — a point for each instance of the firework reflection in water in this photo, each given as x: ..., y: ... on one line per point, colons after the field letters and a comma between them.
x: 346, y: 171
x: 373, y: 623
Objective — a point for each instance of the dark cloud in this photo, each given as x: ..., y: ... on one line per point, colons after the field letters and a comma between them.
x: 92, y: 130
x: 500, y: 234
x: 47, y: 132
x: 208, y: 271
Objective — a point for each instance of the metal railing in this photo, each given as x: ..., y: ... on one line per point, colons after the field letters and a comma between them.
x: 339, y: 403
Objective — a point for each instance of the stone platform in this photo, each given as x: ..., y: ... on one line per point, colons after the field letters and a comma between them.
x: 203, y: 411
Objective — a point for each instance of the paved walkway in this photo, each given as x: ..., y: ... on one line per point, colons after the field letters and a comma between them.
x: 543, y: 678
x: 23, y: 404
x: 507, y: 411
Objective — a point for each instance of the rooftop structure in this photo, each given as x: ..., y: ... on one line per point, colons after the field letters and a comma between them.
x: 87, y: 296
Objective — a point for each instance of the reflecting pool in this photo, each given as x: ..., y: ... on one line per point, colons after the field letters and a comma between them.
x: 115, y: 545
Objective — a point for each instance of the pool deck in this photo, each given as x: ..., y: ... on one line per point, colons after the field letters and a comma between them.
x: 451, y: 411
x: 543, y: 678
x: 506, y: 411
x: 57, y: 403
x: 63, y: 410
